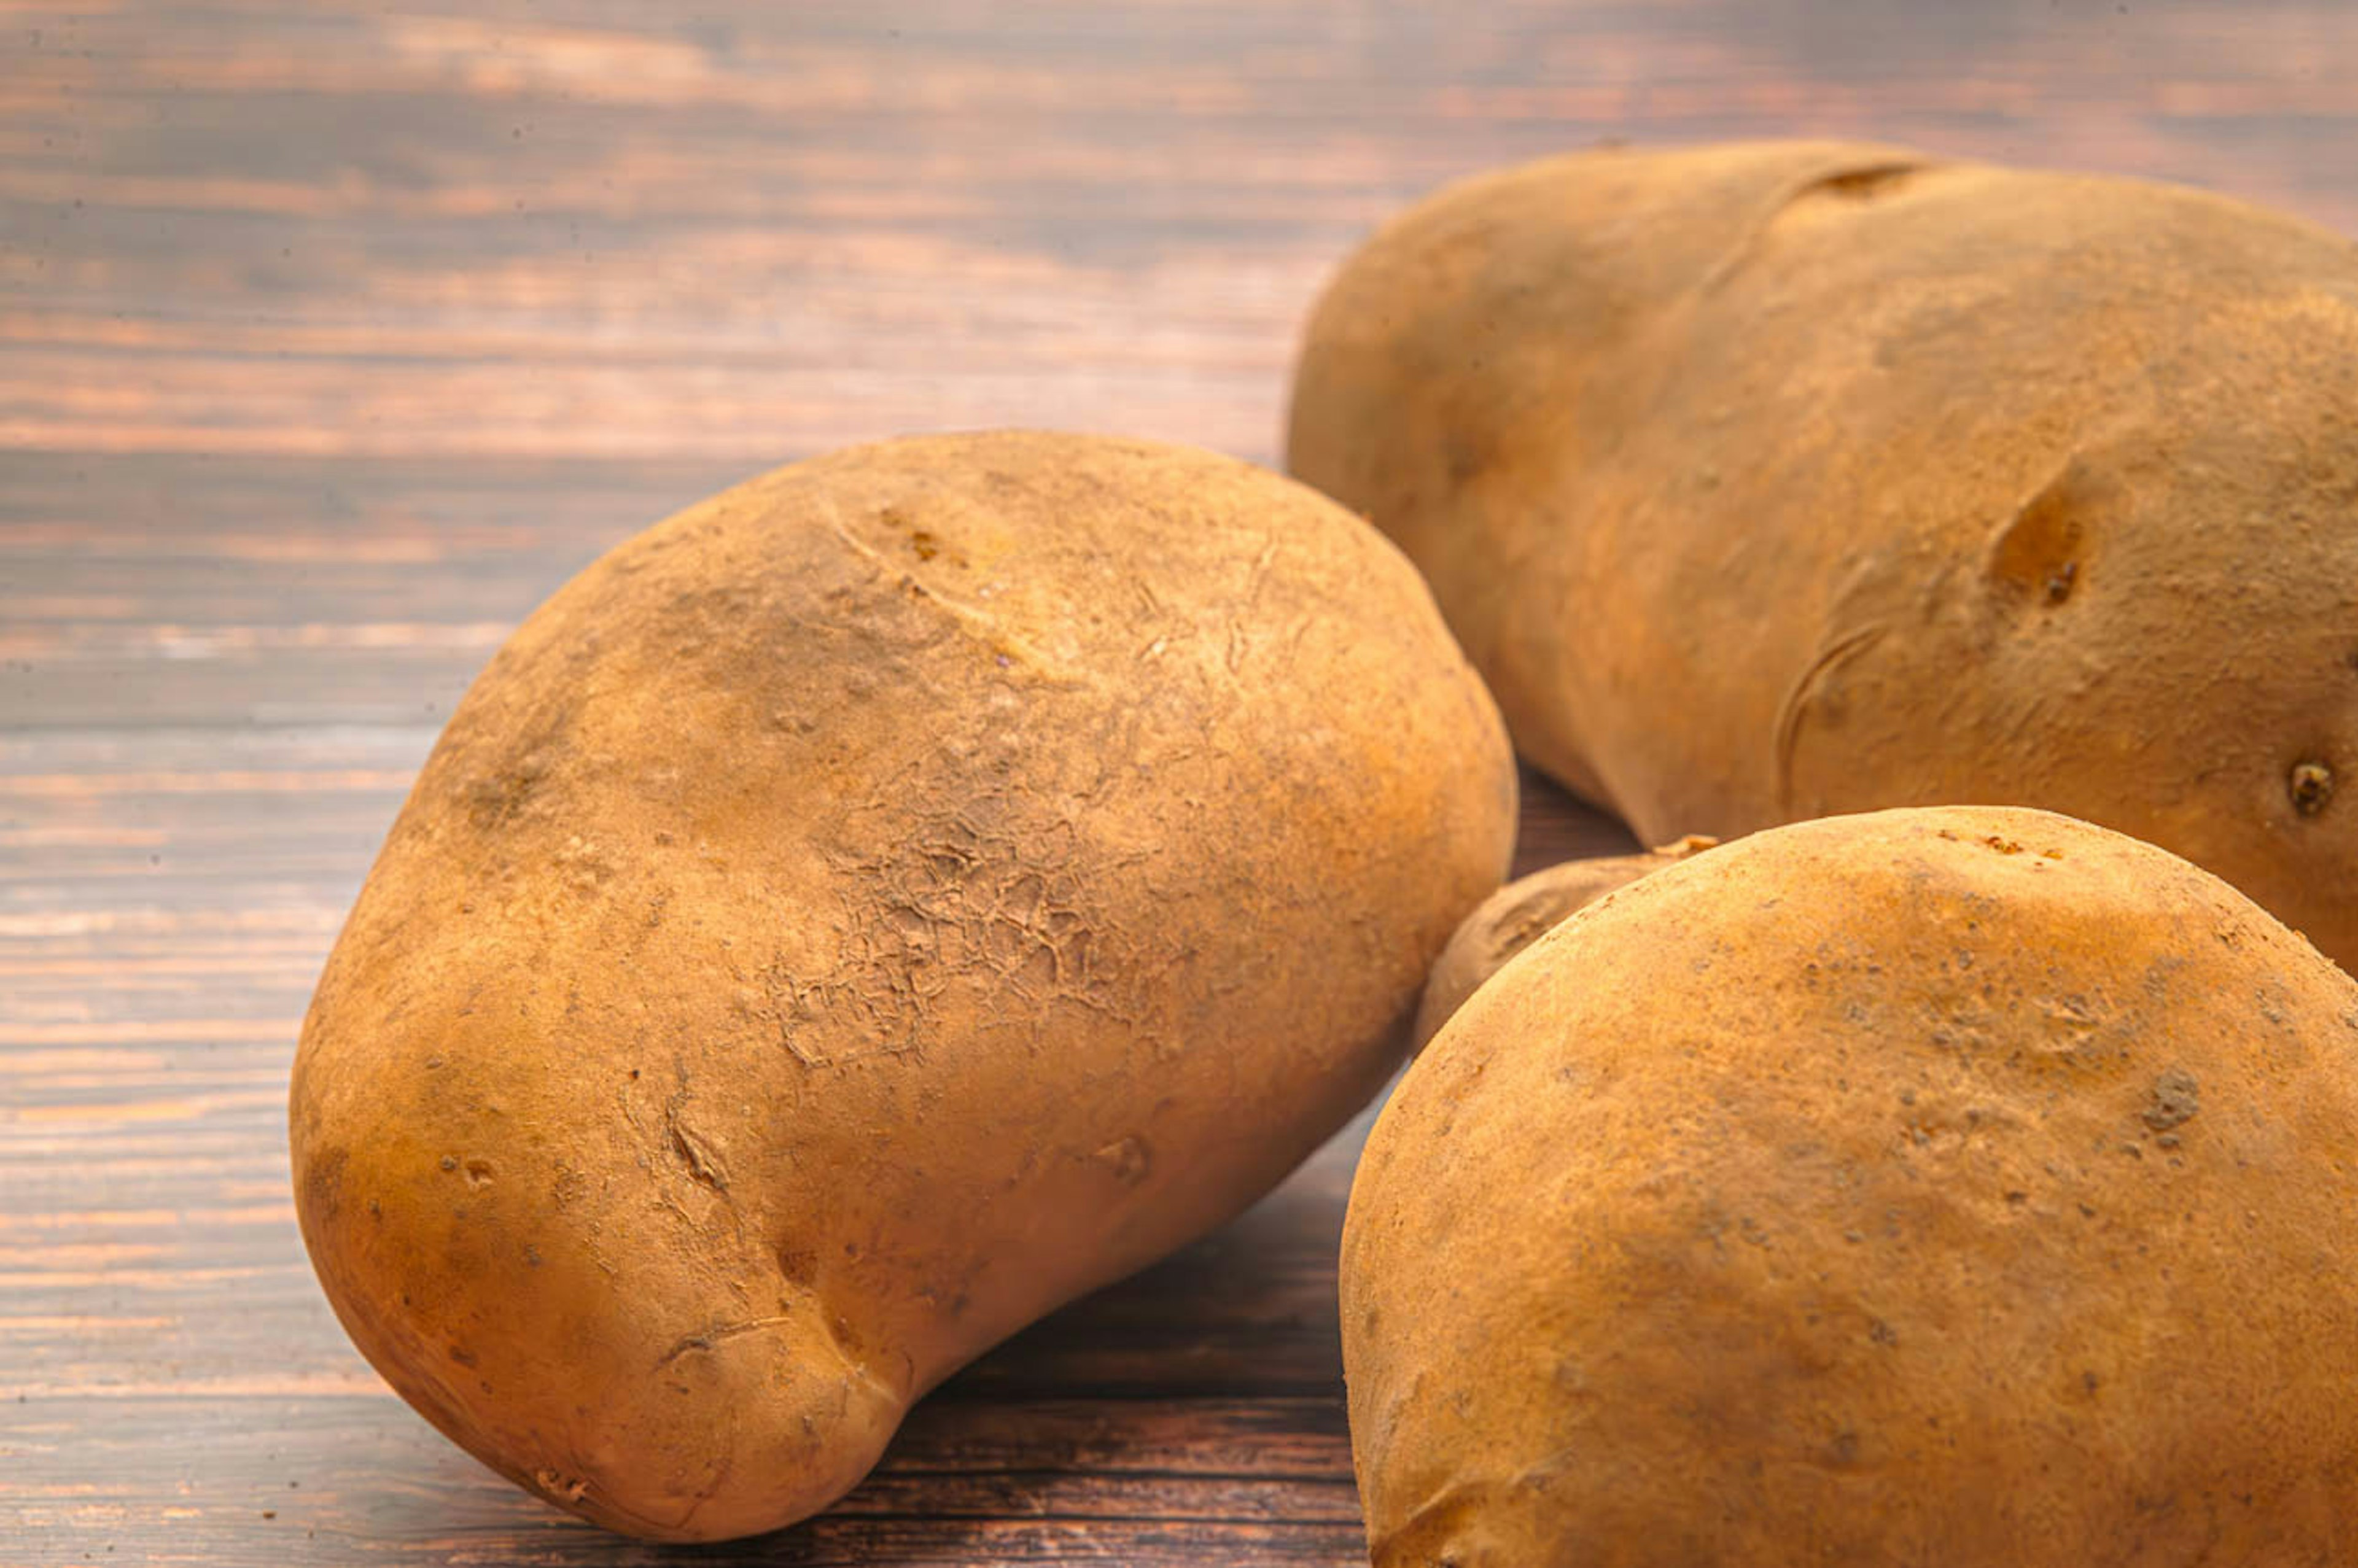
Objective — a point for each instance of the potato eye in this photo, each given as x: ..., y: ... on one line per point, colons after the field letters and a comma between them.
x: 2310, y: 785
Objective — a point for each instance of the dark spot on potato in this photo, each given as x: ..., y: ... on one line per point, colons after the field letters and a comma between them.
x: 461, y: 1354
x: 497, y: 797
x: 449, y: 1162
x: 924, y: 544
x: 798, y: 1264
x: 1465, y: 456
x: 2175, y: 1101
x: 1861, y: 184
x: 2311, y: 785
x: 2059, y: 582
x: 478, y: 1172
x: 323, y: 1183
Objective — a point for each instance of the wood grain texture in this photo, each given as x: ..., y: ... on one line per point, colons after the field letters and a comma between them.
x: 333, y: 337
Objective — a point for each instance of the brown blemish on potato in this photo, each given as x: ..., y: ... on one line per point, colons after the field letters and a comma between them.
x: 323, y: 1181
x: 2311, y: 785
x: 1863, y: 184
x: 2176, y: 1099
x: 495, y: 799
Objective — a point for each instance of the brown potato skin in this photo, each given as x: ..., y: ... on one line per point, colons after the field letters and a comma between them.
x: 1964, y: 1186
x: 873, y: 907
x: 1770, y: 481
x: 1520, y: 914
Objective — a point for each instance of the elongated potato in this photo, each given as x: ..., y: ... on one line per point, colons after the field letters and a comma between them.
x: 873, y: 907
x: 1970, y: 1186
x: 1764, y: 481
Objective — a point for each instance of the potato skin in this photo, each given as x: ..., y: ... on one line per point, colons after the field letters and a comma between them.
x: 1770, y: 481
x: 874, y: 906
x: 1966, y: 1187
x: 1520, y: 914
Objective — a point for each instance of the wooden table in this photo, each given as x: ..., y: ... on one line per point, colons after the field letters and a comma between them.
x: 332, y: 339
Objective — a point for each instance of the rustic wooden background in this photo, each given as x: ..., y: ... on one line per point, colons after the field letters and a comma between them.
x: 333, y: 337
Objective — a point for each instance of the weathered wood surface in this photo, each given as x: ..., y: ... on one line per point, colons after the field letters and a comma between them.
x: 332, y: 338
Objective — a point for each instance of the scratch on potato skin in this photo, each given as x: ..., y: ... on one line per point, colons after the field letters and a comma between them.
x: 705, y: 1338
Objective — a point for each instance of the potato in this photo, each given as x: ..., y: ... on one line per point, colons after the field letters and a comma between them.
x: 1957, y: 1186
x: 1767, y: 481
x: 864, y: 911
x: 1520, y: 914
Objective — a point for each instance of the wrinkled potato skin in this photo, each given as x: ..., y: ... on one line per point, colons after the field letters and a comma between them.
x: 1770, y: 481
x: 1520, y: 914
x: 1959, y: 1187
x: 875, y: 906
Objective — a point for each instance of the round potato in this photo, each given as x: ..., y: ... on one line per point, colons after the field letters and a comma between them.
x: 1970, y: 1186
x: 1770, y: 481
x: 862, y: 913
